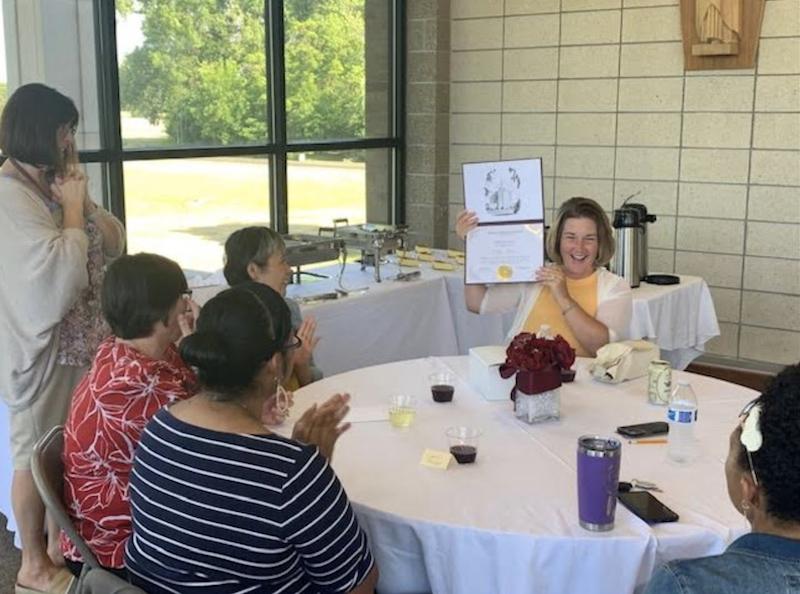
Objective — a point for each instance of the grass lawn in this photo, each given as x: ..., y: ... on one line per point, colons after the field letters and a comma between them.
x: 185, y: 208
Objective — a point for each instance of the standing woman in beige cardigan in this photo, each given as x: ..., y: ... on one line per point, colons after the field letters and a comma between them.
x: 54, y: 243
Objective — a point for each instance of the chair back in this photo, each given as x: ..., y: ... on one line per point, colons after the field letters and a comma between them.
x: 48, y: 474
x: 95, y: 580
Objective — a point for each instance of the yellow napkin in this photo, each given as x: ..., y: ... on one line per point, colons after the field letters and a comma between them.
x: 426, y: 257
x: 443, y: 266
x: 455, y: 254
x: 409, y: 262
x: 436, y: 459
x: 421, y: 249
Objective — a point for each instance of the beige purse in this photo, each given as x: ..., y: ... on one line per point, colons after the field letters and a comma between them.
x: 620, y: 361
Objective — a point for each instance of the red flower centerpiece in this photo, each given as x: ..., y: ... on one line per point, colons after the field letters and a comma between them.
x: 537, y: 362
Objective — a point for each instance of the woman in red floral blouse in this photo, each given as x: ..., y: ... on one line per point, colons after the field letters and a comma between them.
x: 135, y: 372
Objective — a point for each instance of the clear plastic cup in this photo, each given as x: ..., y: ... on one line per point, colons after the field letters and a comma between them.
x: 402, y: 410
x: 463, y: 443
x: 442, y: 387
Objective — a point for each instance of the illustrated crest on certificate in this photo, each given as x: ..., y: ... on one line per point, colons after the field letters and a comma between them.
x: 504, y: 191
x: 508, y: 244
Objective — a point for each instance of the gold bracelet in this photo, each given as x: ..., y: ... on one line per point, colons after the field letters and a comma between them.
x: 566, y: 309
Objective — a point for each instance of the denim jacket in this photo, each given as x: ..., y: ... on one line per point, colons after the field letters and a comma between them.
x: 752, y: 564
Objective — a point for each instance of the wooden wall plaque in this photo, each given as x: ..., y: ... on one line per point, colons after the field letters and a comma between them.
x: 731, y: 49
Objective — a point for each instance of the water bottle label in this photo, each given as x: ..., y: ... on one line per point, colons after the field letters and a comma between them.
x: 682, y: 416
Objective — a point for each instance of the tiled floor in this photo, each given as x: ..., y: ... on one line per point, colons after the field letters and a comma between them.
x: 9, y: 559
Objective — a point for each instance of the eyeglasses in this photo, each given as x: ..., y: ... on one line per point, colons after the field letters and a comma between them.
x: 187, y: 293
x: 294, y: 342
x: 742, y: 418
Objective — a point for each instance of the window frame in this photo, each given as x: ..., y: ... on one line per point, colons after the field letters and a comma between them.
x: 113, y: 155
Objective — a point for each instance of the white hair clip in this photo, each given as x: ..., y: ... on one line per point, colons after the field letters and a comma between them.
x: 751, y: 437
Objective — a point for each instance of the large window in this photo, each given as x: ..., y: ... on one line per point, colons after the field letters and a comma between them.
x: 202, y: 116
x: 192, y: 73
x: 185, y: 208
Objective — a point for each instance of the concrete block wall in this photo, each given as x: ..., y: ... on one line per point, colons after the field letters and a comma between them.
x: 597, y: 89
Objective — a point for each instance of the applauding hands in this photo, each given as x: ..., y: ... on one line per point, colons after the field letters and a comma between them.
x: 188, y: 317
x: 321, y: 425
x: 306, y: 334
x: 554, y: 278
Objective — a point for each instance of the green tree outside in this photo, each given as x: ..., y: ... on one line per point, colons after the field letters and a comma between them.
x: 201, y: 70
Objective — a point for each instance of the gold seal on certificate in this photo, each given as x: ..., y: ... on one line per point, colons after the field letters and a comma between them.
x: 504, y: 272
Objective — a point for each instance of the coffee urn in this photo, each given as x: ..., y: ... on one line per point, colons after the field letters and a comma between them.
x: 627, y: 257
x: 644, y: 218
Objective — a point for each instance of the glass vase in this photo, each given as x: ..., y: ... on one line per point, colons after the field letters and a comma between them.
x: 536, y: 408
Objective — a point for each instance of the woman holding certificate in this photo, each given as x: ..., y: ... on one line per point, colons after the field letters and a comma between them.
x: 575, y: 295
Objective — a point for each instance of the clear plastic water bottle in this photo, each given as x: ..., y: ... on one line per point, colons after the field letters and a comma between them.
x: 682, y: 416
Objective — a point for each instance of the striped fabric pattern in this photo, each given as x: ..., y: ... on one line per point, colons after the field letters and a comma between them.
x: 231, y: 513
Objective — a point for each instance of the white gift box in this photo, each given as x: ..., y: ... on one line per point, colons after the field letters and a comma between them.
x: 484, y: 374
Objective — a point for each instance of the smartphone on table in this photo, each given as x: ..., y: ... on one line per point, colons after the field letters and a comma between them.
x: 644, y: 430
x: 645, y: 505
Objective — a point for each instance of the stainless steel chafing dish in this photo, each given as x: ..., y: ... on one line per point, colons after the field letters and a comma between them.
x: 303, y: 249
x: 375, y: 241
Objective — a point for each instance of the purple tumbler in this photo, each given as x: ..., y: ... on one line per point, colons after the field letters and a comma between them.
x: 598, y: 481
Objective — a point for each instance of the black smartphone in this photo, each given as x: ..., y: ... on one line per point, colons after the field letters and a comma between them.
x: 644, y: 430
x: 647, y: 507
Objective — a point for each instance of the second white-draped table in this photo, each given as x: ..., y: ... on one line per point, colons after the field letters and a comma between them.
x: 396, y: 320
x: 509, y: 522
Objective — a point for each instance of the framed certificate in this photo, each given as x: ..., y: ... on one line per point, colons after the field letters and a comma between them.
x: 508, y: 244
x: 508, y: 253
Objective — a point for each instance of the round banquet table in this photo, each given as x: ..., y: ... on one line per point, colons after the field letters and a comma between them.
x: 509, y: 523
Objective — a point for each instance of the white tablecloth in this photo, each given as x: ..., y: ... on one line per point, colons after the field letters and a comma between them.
x: 393, y: 320
x: 509, y: 523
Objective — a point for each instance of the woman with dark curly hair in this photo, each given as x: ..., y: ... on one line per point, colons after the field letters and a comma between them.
x: 763, y: 475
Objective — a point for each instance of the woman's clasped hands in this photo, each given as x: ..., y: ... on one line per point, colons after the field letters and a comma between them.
x: 552, y: 276
x: 70, y: 191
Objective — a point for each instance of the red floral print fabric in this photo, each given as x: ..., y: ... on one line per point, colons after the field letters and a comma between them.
x: 110, y: 408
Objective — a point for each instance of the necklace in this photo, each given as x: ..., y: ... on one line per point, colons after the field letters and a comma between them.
x: 240, y: 405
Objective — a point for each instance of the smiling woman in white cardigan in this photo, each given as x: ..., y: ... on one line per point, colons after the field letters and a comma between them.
x: 576, y: 296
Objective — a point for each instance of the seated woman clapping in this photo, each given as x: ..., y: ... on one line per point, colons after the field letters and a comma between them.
x: 763, y: 476
x: 576, y: 296
x: 134, y: 373
x: 259, y: 254
x: 219, y: 503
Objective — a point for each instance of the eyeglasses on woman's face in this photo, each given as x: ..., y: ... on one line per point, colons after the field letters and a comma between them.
x: 294, y: 342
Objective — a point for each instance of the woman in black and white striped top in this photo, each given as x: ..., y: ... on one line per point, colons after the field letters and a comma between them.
x: 220, y: 504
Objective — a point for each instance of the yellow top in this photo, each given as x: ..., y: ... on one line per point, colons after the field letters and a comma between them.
x: 547, y: 311
x: 292, y: 382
